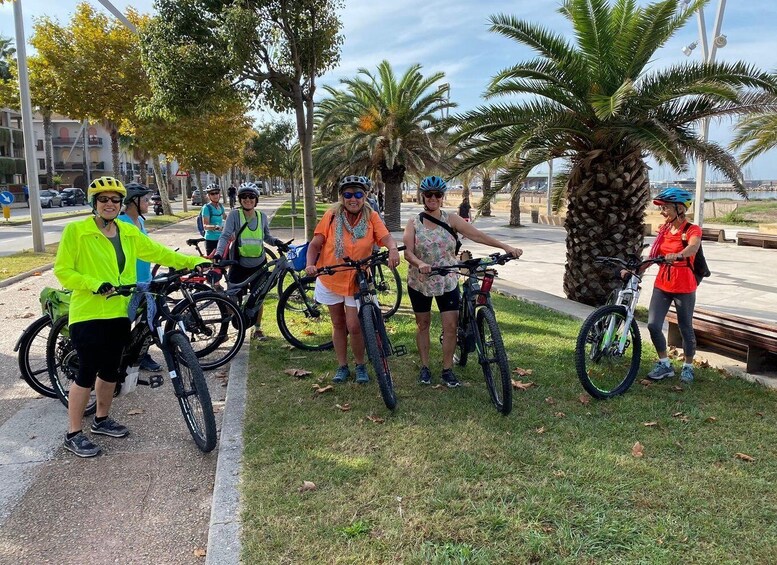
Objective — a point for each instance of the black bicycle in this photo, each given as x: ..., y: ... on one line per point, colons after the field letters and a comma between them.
x: 609, y: 346
x: 156, y: 324
x: 477, y: 329
x: 376, y: 339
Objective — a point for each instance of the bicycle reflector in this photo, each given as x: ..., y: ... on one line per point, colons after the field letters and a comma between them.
x: 485, y: 286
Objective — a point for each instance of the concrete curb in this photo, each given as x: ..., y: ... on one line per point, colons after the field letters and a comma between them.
x: 16, y: 278
x: 224, y: 544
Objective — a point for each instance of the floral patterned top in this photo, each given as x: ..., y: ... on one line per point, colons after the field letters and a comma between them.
x: 436, y: 247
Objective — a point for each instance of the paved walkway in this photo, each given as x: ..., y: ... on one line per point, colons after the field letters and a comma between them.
x: 156, y: 498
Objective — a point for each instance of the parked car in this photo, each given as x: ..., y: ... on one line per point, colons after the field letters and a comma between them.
x: 197, y: 197
x: 50, y: 198
x: 73, y: 197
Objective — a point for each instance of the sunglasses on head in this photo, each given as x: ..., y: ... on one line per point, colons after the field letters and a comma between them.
x: 433, y: 194
x: 106, y: 199
x: 248, y: 196
x: 357, y: 194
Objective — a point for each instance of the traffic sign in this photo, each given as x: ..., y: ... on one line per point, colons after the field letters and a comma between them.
x: 181, y: 173
x: 6, y: 198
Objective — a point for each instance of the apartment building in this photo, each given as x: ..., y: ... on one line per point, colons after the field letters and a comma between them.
x: 12, y: 165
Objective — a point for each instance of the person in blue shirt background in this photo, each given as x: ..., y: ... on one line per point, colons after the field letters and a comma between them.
x: 26, y: 190
x: 212, y: 218
x: 135, y: 205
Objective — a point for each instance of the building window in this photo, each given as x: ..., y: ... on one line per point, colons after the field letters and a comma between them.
x: 39, y: 145
x: 42, y: 164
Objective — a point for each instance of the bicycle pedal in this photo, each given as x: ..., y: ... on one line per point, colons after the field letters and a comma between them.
x: 155, y: 381
x: 400, y: 350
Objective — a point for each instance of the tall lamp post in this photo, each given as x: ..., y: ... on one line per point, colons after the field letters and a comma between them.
x: 708, y: 56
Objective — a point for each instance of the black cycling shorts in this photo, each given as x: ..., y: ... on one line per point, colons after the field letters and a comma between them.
x: 99, y: 344
x: 445, y: 303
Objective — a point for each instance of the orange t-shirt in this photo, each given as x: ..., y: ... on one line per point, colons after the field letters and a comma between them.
x: 677, y: 278
x: 344, y: 282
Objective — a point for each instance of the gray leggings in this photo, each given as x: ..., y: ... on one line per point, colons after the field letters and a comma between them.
x: 659, y: 306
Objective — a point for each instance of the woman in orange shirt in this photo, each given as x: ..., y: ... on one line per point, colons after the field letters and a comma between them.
x: 675, y: 282
x: 349, y: 229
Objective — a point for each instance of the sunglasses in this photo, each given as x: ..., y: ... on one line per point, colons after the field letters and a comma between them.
x: 106, y: 199
x: 247, y: 196
x: 357, y: 194
x: 433, y: 194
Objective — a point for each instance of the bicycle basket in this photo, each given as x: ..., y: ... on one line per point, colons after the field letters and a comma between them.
x: 298, y: 254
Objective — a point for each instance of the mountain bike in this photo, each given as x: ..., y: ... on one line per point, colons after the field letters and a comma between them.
x: 477, y: 329
x: 609, y: 346
x: 156, y: 324
x: 376, y: 339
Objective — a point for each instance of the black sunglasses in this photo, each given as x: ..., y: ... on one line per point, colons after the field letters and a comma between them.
x: 357, y: 194
x: 106, y: 199
x: 433, y: 194
x: 250, y: 196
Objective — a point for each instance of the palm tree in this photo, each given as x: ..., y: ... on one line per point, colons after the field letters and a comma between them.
x: 7, y: 52
x: 380, y: 123
x: 602, y: 103
x: 756, y: 134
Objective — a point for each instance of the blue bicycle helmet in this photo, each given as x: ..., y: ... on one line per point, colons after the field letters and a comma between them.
x: 433, y: 183
x: 674, y: 195
x: 367, y: 182
x: 352, y: 180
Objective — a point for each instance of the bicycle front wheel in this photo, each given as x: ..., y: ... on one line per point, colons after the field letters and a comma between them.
x: 493, y: 360
x: 214, y: 325
x: 603, y: 369
x: 32, y: 357
x: 303, y: 322
x: 388, y: 286
x: 62, y: 362
x: 192, y: 392
x: 371, y: 318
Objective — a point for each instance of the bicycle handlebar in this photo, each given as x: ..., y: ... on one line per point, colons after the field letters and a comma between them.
x: 479, y: 264
x: 375, y: 258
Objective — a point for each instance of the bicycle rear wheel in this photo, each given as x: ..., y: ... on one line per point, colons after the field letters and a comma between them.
x: 62, y: 362
x: 303, y: 322
x: 603, y: 371
x: 214, y: 325
x: 388, y: 286
x: 370, y: 317
x: 493, y: 360
x: 32, y: 356
x: 192, y: 392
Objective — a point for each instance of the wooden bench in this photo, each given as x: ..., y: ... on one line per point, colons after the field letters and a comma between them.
x: 714, y: 234
x: 751, y: 340
x: 764, y: 240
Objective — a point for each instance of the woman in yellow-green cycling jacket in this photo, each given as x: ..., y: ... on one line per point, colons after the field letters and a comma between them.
x: 95, y: 255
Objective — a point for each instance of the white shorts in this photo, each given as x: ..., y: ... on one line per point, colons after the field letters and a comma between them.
x: 325, y: 296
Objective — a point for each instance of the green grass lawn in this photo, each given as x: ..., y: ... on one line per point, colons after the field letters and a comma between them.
x: 446, y: 479
x: 282, y: 217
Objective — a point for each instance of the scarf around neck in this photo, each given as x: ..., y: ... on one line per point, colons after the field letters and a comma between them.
x: 342, y: 225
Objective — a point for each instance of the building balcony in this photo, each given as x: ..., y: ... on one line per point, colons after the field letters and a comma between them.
x: 93, y: 166
x: 69, y: 141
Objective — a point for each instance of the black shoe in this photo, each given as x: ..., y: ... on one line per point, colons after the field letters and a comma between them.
x: 82, y: 446
x: 450, y: 379
x: 148, y: 364
x: 425, y: 376
x: 109, y: 427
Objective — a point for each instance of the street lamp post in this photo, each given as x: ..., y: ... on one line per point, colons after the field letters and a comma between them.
x: 708, y: 56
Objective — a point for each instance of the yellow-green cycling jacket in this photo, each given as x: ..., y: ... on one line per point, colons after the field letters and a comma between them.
x: 86, y: 259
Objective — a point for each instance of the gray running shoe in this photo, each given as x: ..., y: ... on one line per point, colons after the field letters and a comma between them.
x: 109, y: 427
x: 82, y: 446
x: 341, y: 375
x: 660, y: 371
x: 362, y: 377
x: 686, y: 375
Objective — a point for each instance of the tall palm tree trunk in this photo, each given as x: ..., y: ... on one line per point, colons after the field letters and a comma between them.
x: 143, y: 163
x: 166, y: 208
x: 393, y: 178
x: 515, y: 207
x: 608, y: 194
x: 48, y: 146
x: 114, y: 150
x: 486, y: 191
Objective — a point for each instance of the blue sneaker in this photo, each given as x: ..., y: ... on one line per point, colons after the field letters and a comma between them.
x: 361, y: 375
x: 425, y: 376
x: 450, y: 379
x: 341, y: 375
x: 686, y: 376
x: 660, y: 371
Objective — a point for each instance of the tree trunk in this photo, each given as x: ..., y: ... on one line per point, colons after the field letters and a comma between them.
x: 48, y: 147
x: 486, y: 208
x: 515, y: 207
x: 166, y: 208
x: 608, y: 193
x: 169, y: 176
x: 114, y: 150
x: 303, y: 110
x: 392, y: 178
x: 143, y: 162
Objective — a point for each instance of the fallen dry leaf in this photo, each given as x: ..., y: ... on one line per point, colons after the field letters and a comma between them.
x: 560, y: 415
x: 550, y: 400
x: 27, y: 315
x: 677, y: 414
x: 135, y: 412
x: 744, y: 457
x: 761, y: 414
x: 646, y: 382
x: 438, y: 386
x: 559, y: 473
x: 540, y: 430
x: 343, y: 407
x: 299, y: 373
x: 522, y: 372
x: 685, y: 419
x: 520, y: 385
x: 650, y: 424
x: 677, y: 388
x: 323, y: 389
x: 375, y: 419
x: 584, y: 399
x: 199, y: 552
x: 711, y: 419
x: 307, y: 486
x: 37, y: 273
x: 637, y: 450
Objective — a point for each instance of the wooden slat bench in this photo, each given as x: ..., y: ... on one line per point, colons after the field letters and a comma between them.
x: 764, y: 240
x: 714, y: 234
x: 751, y: 340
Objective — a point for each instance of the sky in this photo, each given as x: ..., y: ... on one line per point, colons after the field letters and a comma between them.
x: 452, y: 36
